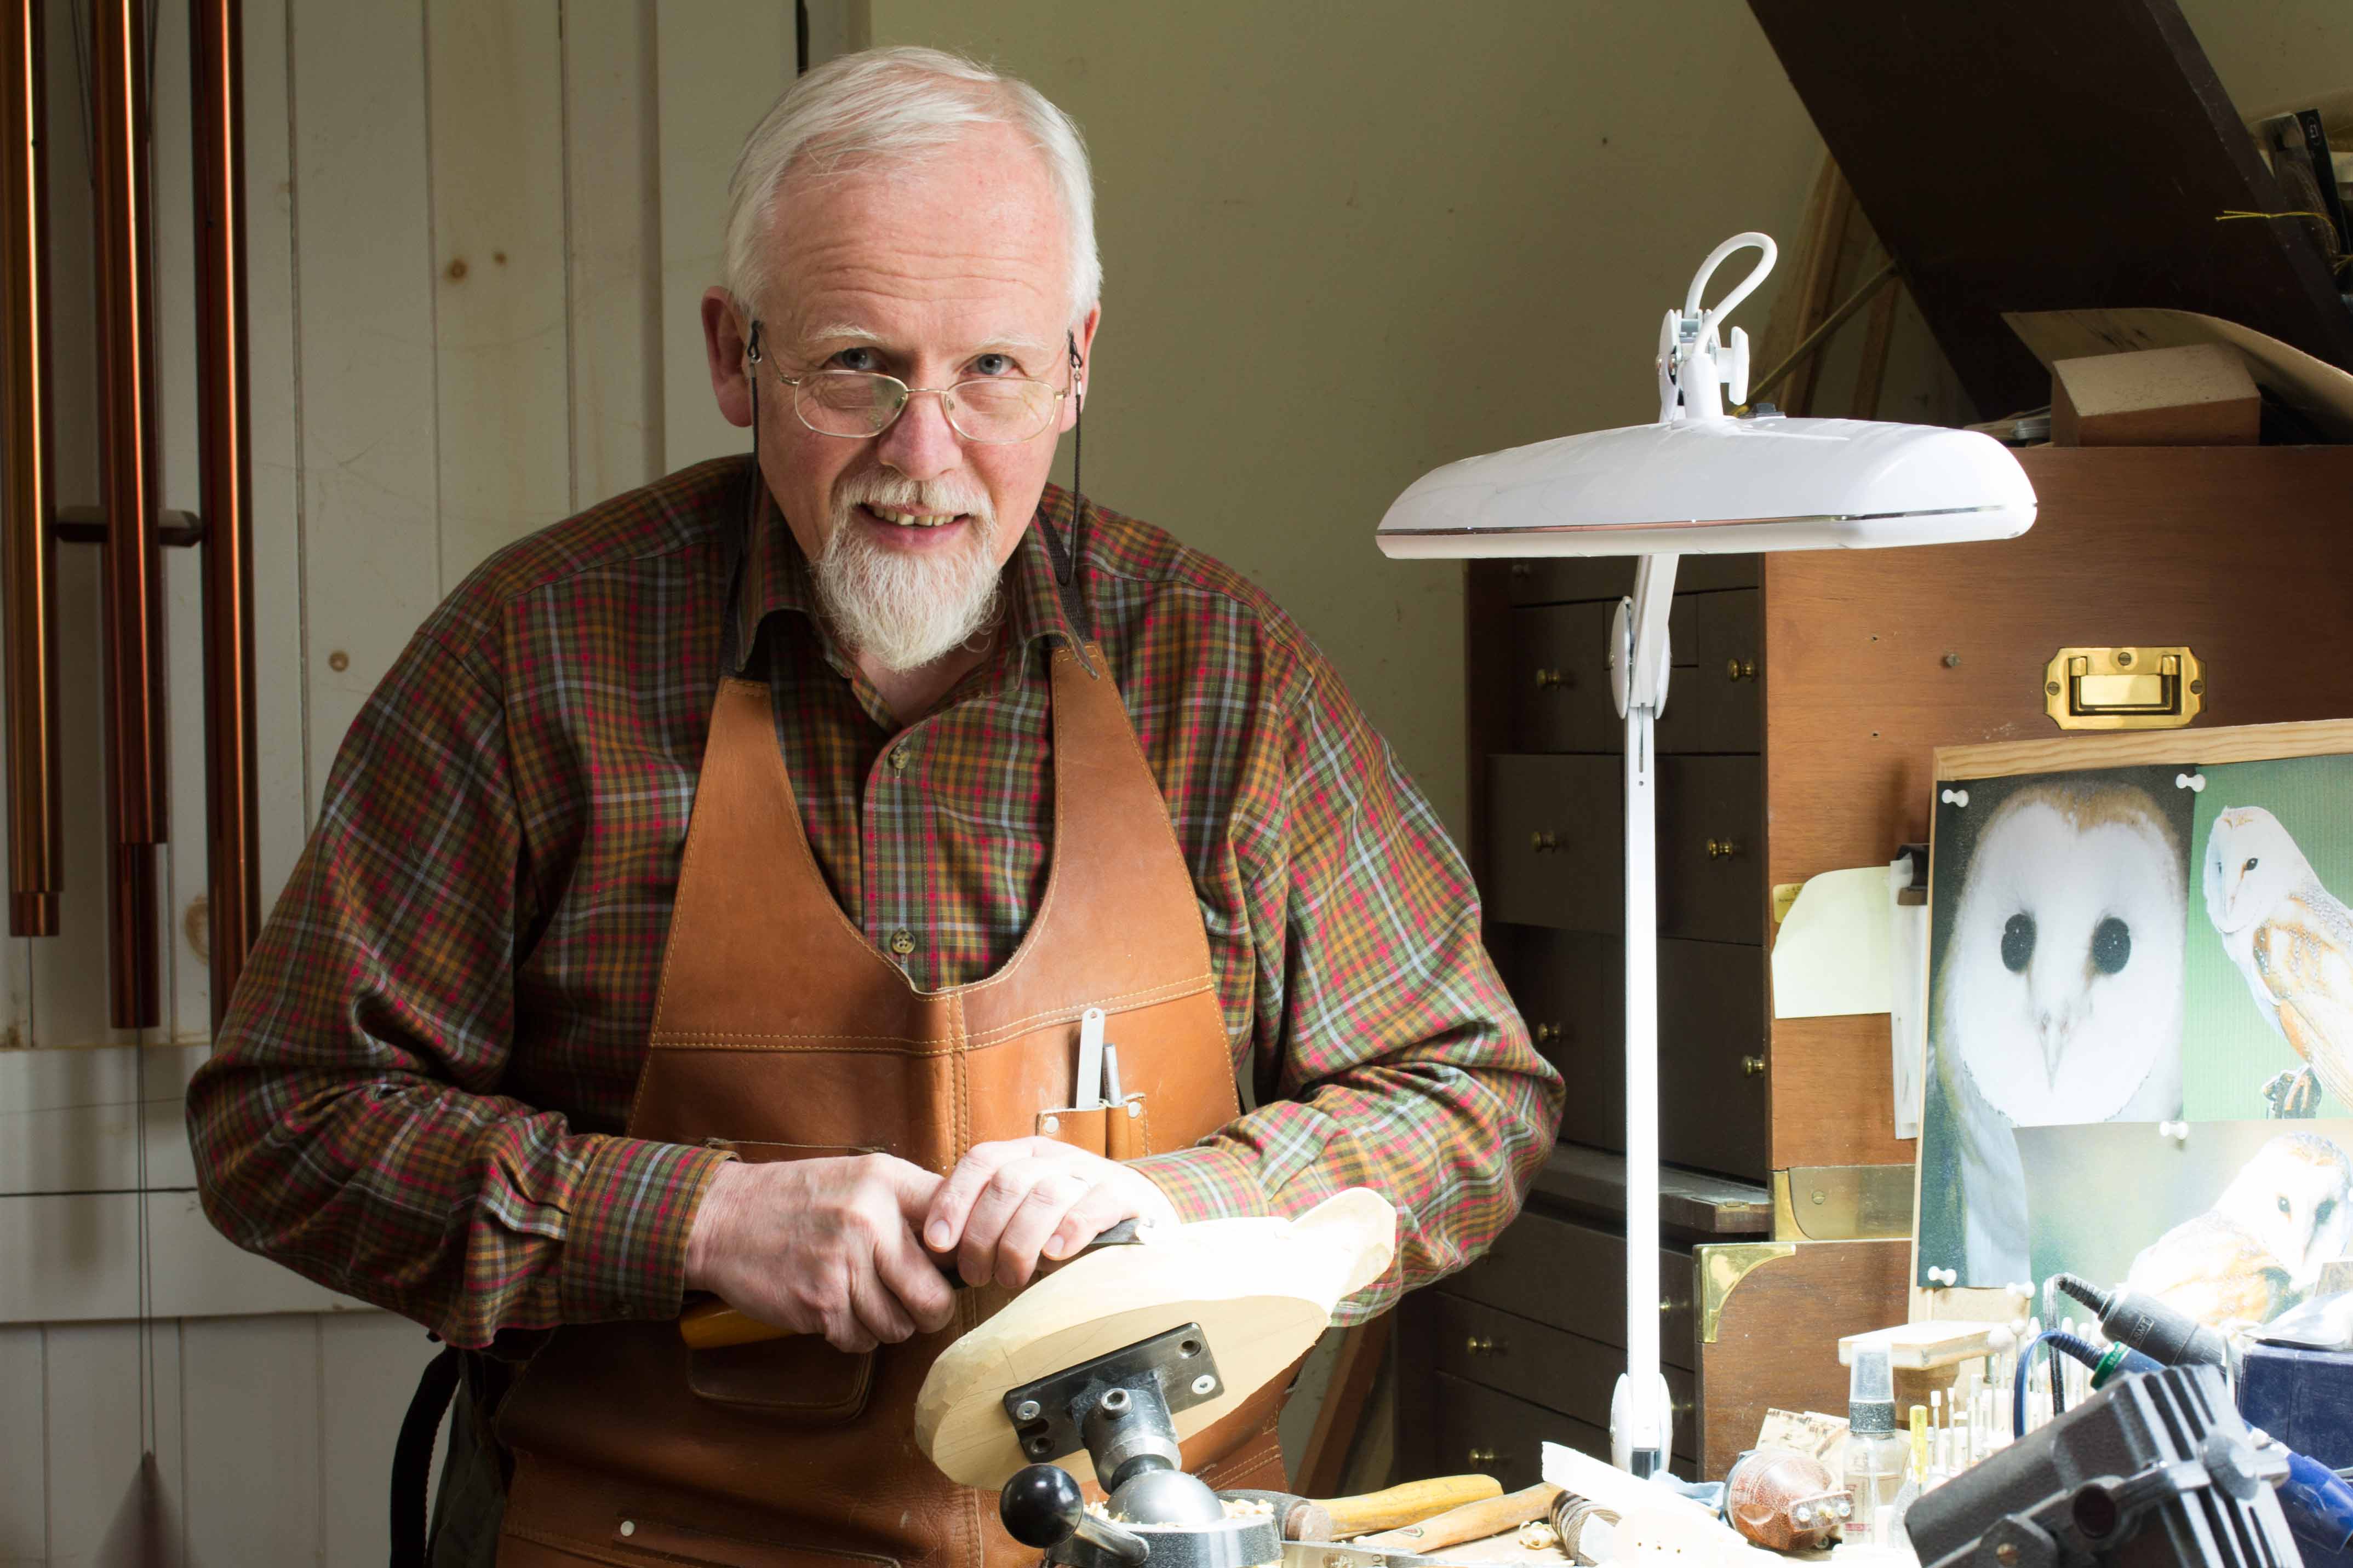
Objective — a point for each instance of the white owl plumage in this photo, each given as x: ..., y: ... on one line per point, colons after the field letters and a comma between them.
x: 2059, y: 995
x: 2291, y: 938
x: 2262, y: 1247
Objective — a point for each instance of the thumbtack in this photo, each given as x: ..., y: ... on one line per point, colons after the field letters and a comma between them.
x: 2194, y: 781
x: 1959, y: 797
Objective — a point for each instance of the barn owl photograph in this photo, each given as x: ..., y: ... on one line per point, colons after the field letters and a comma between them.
x: 2292, y: 939
x: 2261, y: 1248
x: 2058, y: 997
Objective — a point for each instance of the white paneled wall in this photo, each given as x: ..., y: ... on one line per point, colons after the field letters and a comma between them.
x: 477, y: 233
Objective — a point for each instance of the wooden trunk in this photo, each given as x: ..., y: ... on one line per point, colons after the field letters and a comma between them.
x: 1809, y: 692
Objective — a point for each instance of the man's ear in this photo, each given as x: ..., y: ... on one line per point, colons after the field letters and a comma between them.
x: 1083, y: 375
x: 723, y: 345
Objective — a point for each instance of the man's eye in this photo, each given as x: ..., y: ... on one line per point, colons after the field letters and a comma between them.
x: 995, y: 364
x: 855, y: 359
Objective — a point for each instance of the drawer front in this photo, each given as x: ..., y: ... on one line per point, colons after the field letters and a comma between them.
x: 1714, y: 1110
x: 1556, y: 848
x: 1482, y: 1432
x: 1558, y: 671
x: 1569, y: 577
x: 1561, y: 1371
x: 1572, y: 1277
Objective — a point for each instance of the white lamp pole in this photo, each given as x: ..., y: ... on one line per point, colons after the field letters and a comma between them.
x: 1698, y: 481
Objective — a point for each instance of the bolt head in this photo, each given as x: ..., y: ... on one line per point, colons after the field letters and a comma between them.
x: 2006, y: 1554
x: 2124, y: 656
x: 2051, y: 687
x: 1028, y: 1410
x: 1205, y: 1384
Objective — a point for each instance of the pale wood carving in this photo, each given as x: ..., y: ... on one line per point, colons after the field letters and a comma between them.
x: 1261, y: 1290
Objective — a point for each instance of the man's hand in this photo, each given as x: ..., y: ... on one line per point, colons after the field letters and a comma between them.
x: 822, y: 1246
x: 1008, y: 1205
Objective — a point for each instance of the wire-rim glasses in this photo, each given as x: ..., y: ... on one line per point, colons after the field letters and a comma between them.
x: 858, y: 404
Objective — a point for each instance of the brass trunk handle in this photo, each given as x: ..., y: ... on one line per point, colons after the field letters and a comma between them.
x: 1546, y: 1033
x: 1740, y: 668
x: 1752, y: 1067
x: 1543, y: 839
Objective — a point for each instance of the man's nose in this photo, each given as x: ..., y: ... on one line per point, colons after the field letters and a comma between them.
x: 921, y: 443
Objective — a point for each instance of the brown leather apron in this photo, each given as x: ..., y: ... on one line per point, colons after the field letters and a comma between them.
x: 780, y: 1033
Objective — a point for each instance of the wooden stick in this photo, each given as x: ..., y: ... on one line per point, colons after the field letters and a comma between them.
x: 1473, y: 1521
x: 1404, y: 1504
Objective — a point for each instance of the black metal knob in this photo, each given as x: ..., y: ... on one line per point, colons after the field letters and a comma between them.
x: 1041, y: 1507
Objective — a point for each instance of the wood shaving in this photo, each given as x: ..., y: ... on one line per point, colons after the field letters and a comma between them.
x: 1538, y: 1536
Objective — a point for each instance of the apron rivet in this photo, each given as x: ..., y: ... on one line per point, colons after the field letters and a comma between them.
x: 629, y: 1527
x: 1051, y: 1124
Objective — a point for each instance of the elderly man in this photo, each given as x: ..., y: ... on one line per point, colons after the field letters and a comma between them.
x: 708, y: 901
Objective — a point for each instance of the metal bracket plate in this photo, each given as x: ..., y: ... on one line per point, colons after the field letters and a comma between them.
x: 1177, y: 1366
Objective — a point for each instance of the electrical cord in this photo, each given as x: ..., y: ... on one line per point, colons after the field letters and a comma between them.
x: 2059, y: 1340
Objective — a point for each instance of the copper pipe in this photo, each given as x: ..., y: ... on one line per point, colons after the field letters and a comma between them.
x: 35, y: 829
x: 225, y: 445
x: 135, y: 756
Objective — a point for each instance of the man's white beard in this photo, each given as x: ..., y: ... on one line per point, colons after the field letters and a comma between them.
x: 903, y: 609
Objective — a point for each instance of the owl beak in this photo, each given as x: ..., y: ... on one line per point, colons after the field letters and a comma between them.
x: 2052, y: 1033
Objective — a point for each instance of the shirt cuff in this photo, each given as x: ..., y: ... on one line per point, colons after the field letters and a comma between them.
x: 625, y: 1247
x: 1207, y: 1182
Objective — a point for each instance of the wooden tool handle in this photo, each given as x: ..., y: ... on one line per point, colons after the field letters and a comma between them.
x: 1473, y: 1521
x: 1403, y: 1505
x: 714, y: 1324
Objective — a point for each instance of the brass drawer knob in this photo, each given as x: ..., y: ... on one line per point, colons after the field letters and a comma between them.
x: 1722, y: 848
x: 1740, y: 668
x: 1479, y: 1458
x: 1752, y: 1067
x: 1543, y: 839
x: 1479, y: 1345
x: 1547, y: 678
x: 1521, y: 569
x: 1546, y: 1033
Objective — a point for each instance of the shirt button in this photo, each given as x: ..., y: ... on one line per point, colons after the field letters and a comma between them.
x: 898, y: 759
x: 902, y: 943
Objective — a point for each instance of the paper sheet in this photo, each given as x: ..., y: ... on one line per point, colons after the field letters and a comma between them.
x: 1908, y: 997
x: 1830, y: 958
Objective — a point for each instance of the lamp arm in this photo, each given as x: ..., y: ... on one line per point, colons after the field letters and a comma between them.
x: 1641, y: 1417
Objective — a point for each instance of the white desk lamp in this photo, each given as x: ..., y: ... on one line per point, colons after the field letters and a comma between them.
x: 1697, y: 482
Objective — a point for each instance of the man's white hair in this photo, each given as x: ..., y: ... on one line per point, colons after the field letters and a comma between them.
x: 890, y: 104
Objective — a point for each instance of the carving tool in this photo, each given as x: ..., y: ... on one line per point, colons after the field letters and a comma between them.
x: 1086, y: 1089
x: 714, y: 1324
x: 1472, y: 1522
x: 1328, y: 1518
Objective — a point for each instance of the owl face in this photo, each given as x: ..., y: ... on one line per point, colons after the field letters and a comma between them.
x: 2062, y: 985
x: 2292, y: 1197
x: 2250, y: 864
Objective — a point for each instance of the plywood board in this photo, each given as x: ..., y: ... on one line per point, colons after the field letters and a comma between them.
x: 364, y: 282
x: 612, y: 171
x: 253, y: 1400
x: 500, y: 360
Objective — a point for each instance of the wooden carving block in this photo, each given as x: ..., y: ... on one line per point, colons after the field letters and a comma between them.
x: 1261, y: 1290
x: 2200, y: 396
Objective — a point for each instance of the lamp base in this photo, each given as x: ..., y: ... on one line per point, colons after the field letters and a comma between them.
x: 1641, y: 1424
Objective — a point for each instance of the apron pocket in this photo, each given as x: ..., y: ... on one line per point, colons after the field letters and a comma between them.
x: 799, y: 1379
x: 1079, y: 1129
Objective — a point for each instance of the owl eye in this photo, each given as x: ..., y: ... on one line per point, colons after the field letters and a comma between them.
x: 2111, y: 945
x: 2018, y: 943
x: 2252, y: 863
x: 2320, y: 1215
x: 2285, y: 1206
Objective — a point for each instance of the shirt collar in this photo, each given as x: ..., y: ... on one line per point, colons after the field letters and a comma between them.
x: 775, y: 576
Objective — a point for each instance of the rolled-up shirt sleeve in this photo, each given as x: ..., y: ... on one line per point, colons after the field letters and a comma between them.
x: 348, y: 1124
x: 1385, y: 1050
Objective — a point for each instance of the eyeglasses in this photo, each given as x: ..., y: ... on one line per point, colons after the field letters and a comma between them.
x: 994, y: 410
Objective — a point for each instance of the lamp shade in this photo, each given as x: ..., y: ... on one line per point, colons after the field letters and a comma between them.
x: 1714, y: 485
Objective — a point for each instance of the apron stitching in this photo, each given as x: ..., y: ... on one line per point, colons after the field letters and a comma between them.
x: 712, y: 1039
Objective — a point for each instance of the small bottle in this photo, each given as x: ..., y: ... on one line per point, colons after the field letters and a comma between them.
x: 1876, y: 1454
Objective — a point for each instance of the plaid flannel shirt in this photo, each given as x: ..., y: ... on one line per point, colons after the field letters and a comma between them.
x: 418, y: 1095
